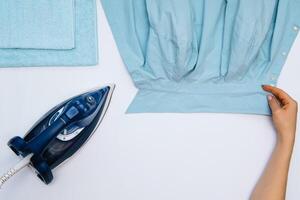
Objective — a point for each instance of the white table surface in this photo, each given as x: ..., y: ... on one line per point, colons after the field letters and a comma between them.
x: 142, y: 156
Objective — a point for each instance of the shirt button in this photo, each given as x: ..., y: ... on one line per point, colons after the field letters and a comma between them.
x: 296, y: 28
x: 284, y: 53
x: 273, y: 77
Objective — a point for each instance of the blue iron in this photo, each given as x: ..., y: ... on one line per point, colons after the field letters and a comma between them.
x: 59, y: 133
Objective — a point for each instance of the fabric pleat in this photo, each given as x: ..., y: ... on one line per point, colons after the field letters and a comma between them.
x: 217, y: 52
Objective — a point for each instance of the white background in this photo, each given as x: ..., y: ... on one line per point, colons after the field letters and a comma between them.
x: 140, y: 156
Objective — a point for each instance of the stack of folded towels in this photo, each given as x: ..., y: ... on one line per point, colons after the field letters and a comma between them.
x: 48, y: 33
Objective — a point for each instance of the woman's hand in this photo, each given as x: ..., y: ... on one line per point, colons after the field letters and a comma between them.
x: 272, y: 184
x: 284, y: 113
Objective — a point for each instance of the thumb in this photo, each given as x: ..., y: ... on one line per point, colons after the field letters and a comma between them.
x: 274, y: 105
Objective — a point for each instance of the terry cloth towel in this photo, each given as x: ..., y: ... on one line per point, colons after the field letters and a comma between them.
x: 203, y: 55
x: 37, y: 24
x: 85, y: 52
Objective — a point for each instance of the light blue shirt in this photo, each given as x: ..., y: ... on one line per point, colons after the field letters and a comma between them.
x: 203, y: 55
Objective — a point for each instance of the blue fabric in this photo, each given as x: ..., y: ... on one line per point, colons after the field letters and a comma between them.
x: 35, y: 24
x: 203, y: 55
x: 84, y: 53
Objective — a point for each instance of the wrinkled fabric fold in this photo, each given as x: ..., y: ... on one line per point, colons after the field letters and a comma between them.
x: 203, y: 45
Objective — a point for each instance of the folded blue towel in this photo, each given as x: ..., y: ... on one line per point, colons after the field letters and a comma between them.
x: 85, y: 52
x: 41, y: 24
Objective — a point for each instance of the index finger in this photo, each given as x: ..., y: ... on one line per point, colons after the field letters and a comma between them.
x: 282, y: 96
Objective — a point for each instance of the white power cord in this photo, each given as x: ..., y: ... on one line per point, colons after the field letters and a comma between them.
x: 12, y: 171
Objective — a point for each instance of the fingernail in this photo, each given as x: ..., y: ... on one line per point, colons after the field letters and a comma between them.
x: 270, y: 97
x: 263, y: 86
